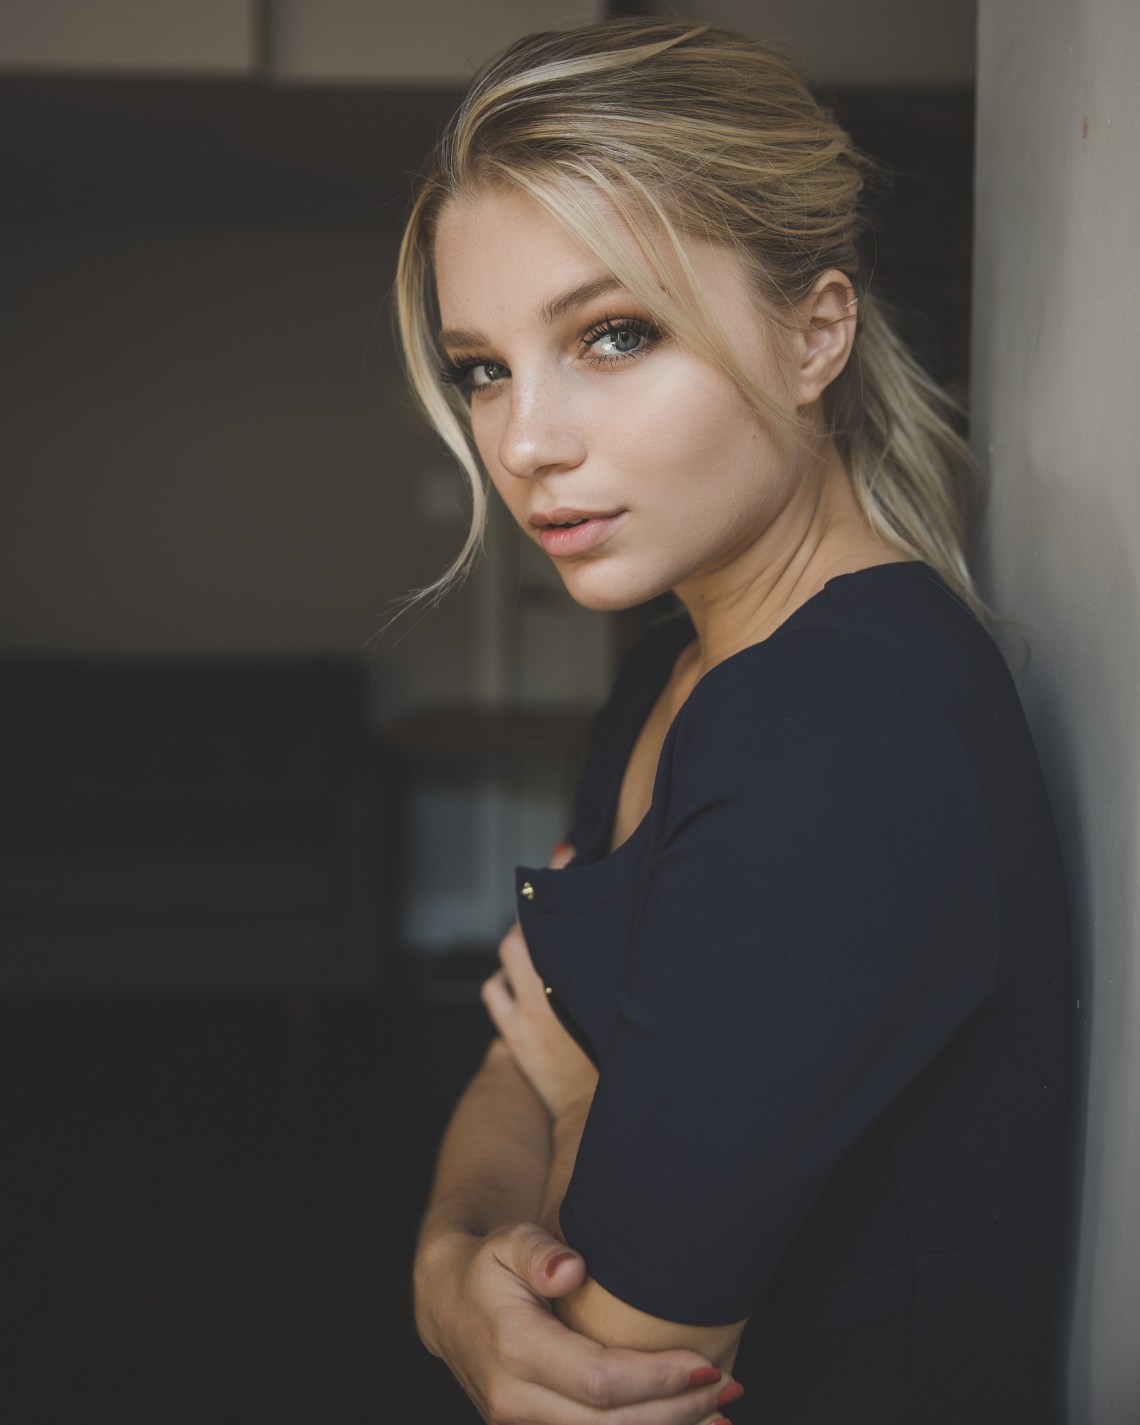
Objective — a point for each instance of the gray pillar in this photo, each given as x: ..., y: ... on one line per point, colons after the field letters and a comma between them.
x: 1056, y: 417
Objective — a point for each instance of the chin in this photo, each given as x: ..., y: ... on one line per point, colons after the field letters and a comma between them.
x: 604, y: 591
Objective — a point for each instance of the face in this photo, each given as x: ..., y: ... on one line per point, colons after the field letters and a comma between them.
x: 634, y: 463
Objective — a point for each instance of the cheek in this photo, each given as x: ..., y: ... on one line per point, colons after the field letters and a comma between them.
x: 665, y: 420
x: 486, y: 431
x: 670, y: 436
x: 483, y: 432
x: 699, y: 445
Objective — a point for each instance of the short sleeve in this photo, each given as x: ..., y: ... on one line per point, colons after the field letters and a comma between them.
x: 819, y: 921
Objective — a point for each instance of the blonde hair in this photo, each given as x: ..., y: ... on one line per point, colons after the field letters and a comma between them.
x: 689, y: 131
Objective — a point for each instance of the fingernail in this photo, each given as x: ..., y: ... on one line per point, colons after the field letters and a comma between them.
x: 556, y: 1261
x: 729, y: 1394
x: 704, y: 1376
x: 561, y: 848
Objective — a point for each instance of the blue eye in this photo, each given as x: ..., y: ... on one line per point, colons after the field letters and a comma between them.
x: 618, y: 337
x: 621, y: 341
x: 473, y: 375
x: 485, y: 373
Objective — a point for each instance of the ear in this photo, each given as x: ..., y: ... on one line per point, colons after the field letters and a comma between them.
x: 827, y: 334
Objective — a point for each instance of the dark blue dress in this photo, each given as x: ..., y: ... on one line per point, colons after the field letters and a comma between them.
x: 826, y: 985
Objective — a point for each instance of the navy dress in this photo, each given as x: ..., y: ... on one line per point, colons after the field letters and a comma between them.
x: 825, y: 982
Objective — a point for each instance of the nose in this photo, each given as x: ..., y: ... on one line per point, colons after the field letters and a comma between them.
x: 541, y: 434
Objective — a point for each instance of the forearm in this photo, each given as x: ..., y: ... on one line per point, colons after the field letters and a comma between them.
x: 495, y: 1156
x: 492, y: 1166
x: 486, y: 1272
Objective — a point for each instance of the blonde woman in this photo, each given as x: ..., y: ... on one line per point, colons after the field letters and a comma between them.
x: 774, y: 1120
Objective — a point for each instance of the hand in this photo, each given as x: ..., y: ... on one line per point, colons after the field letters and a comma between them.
x: 515, y: 998
x: 482, y: 1305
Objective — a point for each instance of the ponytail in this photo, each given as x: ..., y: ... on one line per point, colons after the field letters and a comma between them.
x: 914, y: 475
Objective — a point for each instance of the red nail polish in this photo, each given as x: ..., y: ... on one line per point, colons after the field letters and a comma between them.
x: 557, y: 1260
x: 729, y: 1394
x: 561, y: 847
x: 705, y: 1376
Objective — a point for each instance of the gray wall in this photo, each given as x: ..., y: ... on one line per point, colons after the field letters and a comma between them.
x: 1056, y: 411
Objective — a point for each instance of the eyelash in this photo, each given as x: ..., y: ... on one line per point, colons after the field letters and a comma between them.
x: 610, y: 326
x: 458, y: 372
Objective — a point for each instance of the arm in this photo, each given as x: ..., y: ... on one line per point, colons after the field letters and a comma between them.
x: 484, y: 1273
x: 491, y: 1167
x: 564, y: 1079
x: 495, y: 1155
x: 814, y: 927
x: 597, y: 1313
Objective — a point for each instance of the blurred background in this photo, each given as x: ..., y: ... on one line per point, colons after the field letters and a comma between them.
x: 256, y: 852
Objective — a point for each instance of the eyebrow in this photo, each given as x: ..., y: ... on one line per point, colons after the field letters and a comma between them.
x: 550, y: 311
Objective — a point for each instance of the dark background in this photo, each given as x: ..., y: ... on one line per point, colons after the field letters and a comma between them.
x: 213, y: 1190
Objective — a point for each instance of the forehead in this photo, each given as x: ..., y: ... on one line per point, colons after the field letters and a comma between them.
x: 499, y: 253
x: 485, y: 209
x: 500, y: 247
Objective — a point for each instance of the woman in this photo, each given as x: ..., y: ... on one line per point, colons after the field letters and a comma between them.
x: 782, y: 1051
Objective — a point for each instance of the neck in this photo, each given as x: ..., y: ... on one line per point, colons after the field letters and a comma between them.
x: 819, y: 533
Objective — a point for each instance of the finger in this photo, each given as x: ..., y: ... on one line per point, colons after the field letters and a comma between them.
x: 562, y: 855
x: 522, y: 1400
x: 718, y: 1416
x: 512, y: 938
x: 498, y: 1001
x: 548, y: 1266
x: 586, y: 1384
x: 564, y: 1272
x: 612, y: 1379
x: 519, y: 968
x: 579, y: 1368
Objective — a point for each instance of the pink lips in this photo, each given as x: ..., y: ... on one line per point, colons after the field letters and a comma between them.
x: 561, y: 539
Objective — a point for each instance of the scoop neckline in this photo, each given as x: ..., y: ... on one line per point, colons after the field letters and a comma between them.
x: 888, y: 569
x: 864, y: 575
x: 683, y: 620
